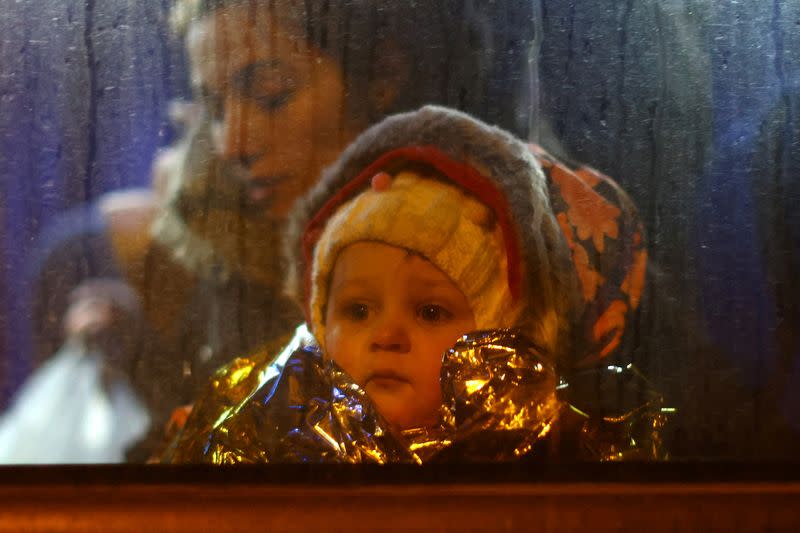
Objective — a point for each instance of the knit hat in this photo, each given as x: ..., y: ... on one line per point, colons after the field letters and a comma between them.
x: 484, y: 163
x: 438, y: 220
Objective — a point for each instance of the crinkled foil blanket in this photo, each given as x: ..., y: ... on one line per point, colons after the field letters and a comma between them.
x: 502, y: 400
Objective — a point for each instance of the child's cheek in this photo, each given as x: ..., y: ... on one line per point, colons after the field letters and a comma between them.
x: 331, y: 341
x: 339, y: 346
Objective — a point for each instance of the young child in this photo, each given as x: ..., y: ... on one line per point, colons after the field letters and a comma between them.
x: 430, y: 226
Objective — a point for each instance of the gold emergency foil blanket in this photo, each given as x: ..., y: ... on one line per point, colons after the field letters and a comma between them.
x: 614, y: 414
x: 499, y: 399
x: 502, y: 400
x: 311, y: 412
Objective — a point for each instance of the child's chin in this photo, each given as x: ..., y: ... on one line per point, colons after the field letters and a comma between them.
x: 396, y: 412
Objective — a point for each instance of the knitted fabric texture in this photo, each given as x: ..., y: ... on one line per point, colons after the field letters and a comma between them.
x: 582, y: 247
x: 490, y: 164
x: 437, y: 220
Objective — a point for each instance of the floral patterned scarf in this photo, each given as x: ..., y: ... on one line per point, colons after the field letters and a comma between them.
x: 606, y: 237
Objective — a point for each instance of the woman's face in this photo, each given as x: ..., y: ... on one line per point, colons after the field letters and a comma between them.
x: 276, y: 104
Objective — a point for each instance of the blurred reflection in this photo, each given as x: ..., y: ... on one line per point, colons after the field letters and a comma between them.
x: 281, y: 89
x: 777, y: 193
x: 691, y: 107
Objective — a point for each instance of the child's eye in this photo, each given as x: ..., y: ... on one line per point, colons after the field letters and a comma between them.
x: 356, y: 311
x: 433, y: 313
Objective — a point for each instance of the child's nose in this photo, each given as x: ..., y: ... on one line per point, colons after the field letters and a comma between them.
x: 390, y: 336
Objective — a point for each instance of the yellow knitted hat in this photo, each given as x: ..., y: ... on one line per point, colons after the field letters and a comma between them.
x: 439, y: 221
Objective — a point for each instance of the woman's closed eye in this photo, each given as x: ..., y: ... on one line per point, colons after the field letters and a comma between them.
x: 434, y: 313
x: 275, y: 101
x: 267, y: 84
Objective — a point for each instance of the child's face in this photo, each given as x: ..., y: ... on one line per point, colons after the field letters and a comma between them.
x: 390, y: 317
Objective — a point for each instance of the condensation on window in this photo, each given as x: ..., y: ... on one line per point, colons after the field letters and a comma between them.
x: 151, y: 154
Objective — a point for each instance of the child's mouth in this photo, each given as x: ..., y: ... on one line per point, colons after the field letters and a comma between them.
x: 386, y: 379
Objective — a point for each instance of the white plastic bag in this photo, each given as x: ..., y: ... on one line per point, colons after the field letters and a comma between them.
x: 64, y: 414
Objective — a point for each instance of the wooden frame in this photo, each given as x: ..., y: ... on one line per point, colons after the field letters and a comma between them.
x: 442, y: 498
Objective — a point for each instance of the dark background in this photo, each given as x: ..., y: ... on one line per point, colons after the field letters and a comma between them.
x: 692, y: 106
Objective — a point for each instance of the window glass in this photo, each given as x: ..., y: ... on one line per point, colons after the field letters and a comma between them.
x: 160, y: 217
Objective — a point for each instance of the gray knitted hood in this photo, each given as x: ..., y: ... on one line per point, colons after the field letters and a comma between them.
x: 547, y: 282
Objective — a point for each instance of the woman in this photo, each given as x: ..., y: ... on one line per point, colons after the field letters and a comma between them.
x: 281, y: 91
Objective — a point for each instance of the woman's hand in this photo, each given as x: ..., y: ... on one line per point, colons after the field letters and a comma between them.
x: 104, y: 314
